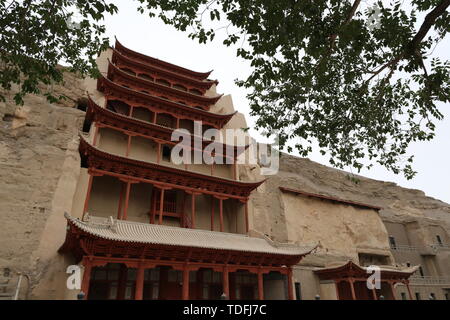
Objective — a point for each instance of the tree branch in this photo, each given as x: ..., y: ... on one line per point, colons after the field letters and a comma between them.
x: 346, y: 22
x: 412, y: 47
x: 429, y: 21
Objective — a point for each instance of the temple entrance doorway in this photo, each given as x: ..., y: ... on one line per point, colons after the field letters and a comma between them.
x: 114, y: 281
x: 245, y: 285
x: 170, y: 284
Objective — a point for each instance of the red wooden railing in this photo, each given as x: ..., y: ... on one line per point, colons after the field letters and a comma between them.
x: 168, y: 206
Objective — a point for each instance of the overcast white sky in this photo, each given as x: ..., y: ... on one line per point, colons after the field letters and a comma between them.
x: 152, y: 37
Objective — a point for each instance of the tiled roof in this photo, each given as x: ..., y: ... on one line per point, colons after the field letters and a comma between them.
x: 383, y: 268
x: 127, y: 231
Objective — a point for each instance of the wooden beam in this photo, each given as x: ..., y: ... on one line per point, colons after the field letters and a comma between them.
x: 166, y: 184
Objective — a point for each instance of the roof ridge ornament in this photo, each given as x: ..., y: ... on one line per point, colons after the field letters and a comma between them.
x: 113, y: 224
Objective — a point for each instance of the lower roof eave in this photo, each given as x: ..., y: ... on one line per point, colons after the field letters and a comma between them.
x: 353, y: 270
x: 146, y: 239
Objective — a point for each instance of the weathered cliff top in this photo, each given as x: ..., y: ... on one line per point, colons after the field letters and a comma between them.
x: 398, y: 203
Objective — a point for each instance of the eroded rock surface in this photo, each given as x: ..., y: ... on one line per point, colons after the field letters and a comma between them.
x: 37, y: 140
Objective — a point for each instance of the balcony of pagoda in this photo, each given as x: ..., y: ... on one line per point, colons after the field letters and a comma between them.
x: 155, y: 73
x: 159, y: 105
x: 139, y: 191
x: 159, y: 88
x: 127, y: 260
x: 126, y: 136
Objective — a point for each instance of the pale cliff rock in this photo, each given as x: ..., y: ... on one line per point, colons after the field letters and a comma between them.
x: 37, y: 140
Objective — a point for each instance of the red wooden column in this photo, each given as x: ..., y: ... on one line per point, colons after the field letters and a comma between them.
x: 158, y: 155
x: 212, y: 213
x: 153, y: 206
x: 225, y: 282
x: 185, y: 295
x: 193, y: 194
x: 391, y: 285
x: 193, y: 210
x: 161, y: 203
x: 161, y: 206
x: 374, y: 293
x: 88, y: 195
x: 352, y: 288
x: 155, y: 114
x: 221, y: 214
x: 86, y: 276
x: 290, y: 284
x: 336, y: 284
x: 119, y: 211
x: 127, y: 153
x: 139, y: 288
x: 245, y: 202
x: 260, y: 285
x: 124, y: 215
x: 246, y: 215
x: 221, y: 211
x: 409, y: 290
x: 94, y: 141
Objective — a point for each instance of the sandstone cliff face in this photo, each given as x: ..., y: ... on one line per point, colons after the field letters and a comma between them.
x: 399, y: 205
x: 38, y: 160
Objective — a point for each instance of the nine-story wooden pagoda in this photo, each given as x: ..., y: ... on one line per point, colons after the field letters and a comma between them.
x: 150, y: 229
